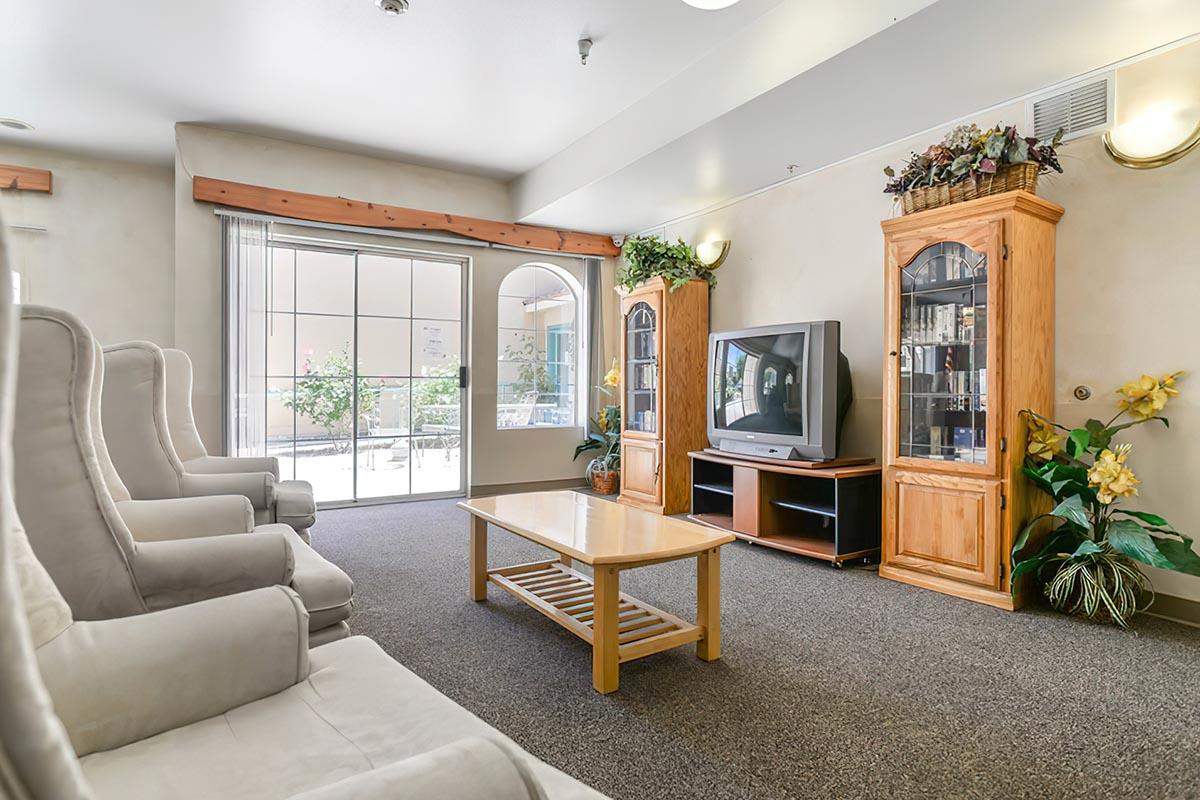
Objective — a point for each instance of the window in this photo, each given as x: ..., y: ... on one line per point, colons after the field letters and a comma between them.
x: 538, y: 349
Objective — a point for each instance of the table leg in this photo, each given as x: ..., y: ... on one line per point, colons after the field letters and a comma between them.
x: 565, y: 560
x: 605, y: 653
x: 479, y: 578
x: 708, y: 604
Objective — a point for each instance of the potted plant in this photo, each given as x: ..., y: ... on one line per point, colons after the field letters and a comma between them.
x: 971, y: 163
x: 651, y: 257
x: 604, y: 471
x: 1086, y: 565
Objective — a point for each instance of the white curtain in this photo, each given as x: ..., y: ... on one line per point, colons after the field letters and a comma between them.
x: 595, y: 333
x: 247, y: 282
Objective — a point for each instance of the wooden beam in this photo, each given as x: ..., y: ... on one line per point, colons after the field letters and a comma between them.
x: 343, y: 211
x: 25, y: 179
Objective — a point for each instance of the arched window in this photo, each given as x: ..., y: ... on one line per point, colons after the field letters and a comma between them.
x: 538, y: 348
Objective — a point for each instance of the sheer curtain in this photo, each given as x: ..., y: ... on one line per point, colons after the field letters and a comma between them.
x: 247, y: 263
x: 595, y: 333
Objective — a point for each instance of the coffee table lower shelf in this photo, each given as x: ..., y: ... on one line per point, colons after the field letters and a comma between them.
x: 567, y: 597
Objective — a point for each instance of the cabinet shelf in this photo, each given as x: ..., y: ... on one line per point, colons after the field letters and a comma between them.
x: 810, y: 508
x: 719, y: 488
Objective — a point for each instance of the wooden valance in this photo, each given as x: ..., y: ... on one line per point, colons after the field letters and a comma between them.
x: 343, y: 211
x: 25, y: 179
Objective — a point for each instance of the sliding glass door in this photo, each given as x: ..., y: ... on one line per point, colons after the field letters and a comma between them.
x: 364, y: 350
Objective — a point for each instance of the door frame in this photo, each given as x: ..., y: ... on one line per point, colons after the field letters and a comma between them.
x: 466, y: 264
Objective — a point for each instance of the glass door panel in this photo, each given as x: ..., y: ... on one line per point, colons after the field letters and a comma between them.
x: 363, y: 355
x: 641, y: 369
x: 943, y: 386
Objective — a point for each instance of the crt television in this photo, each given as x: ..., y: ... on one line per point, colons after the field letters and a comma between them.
x: 780, y: 391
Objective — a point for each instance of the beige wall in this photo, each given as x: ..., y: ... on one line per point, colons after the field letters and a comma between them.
x: 284, y: 165
x: 1128, y: 286
x: 106, y: 252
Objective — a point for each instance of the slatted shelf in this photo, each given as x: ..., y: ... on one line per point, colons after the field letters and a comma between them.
x: 567, y: 597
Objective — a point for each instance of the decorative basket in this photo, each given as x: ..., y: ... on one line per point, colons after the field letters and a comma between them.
x: 605, y: 483
x: 1009, y: 178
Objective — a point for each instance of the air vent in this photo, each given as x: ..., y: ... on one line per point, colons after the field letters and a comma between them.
x: 1082, y: 109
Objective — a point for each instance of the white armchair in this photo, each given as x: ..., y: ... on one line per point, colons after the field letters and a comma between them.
x: 220, y: 699
x: 78, y: 509
x: 158, y: 452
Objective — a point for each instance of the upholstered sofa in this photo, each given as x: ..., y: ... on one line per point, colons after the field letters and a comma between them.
x: 147, y: 458
x: 111, y: 555
x: 218, y: 699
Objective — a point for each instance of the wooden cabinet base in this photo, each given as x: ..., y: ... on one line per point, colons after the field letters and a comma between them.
x: 977, y: 594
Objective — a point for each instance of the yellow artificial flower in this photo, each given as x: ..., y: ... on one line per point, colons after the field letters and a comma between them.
x: 1043, y: 441
x: 602, y: 420
x: 1110, y: 477
x: 1147, y: 396
x: 613, y: 378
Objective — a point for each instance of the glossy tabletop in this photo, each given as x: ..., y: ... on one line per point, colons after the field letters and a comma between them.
x: 592, y: 530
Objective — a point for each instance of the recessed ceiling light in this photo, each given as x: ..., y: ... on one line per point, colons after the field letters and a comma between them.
x: 15, y: 124
x: 393, y: 8
x: 710, y: 5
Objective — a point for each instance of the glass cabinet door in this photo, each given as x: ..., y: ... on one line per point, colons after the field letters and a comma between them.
x: 943, y: 355
x: 641, y: 369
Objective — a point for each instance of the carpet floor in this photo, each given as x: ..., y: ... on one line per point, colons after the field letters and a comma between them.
x: 832, y: 684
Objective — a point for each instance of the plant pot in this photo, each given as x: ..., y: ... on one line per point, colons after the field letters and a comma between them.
x: 605, y: 483
x: 1012, y: 177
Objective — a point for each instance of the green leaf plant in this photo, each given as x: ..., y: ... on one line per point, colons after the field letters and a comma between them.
x: 649, y: 257
x: 604, y: 431
x: 1086, y: 564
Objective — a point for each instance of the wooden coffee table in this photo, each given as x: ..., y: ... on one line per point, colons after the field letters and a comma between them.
x: 609, y: 537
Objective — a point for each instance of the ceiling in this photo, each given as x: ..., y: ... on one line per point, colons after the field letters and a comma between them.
x: 677, y: 109
x: 484, y: 86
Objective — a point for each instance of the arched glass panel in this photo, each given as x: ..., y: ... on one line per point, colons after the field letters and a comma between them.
x: 537, y: 353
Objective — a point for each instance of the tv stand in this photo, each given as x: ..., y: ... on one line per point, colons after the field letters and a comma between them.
x: 826, y: 509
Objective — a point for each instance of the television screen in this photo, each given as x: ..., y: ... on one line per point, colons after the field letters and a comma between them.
x: 758, y: 384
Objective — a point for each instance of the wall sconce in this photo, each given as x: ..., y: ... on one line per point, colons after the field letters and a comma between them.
x: 1152, y: 138
x: 712, y: 253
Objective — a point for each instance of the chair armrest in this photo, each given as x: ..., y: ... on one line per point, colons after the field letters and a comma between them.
x: 215, y: 465
x: 467, y: 769
x: 117, y: 681
x: 257, y: 487
x: 186, y: 517
x: 180, y: 571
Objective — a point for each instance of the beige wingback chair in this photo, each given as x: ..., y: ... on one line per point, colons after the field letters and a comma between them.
x: 77, y: 507
x: 219, y: 699
x: 158, y: 452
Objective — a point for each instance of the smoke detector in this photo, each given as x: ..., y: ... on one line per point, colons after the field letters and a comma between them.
x: 393, y: 8
x: 585, y: 49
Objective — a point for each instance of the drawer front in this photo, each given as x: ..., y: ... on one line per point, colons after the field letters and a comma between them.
x: 641, y: 471
x: 943, y: 525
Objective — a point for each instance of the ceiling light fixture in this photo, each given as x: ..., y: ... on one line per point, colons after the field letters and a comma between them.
x: 15, y: 124
x: 393, y: 8
x: 710, y: 5
x: 585, y: 49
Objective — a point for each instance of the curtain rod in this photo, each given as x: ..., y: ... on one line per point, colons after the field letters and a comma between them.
x: 395, y: 234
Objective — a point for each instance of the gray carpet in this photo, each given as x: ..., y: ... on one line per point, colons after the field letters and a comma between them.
x: 832, y: 684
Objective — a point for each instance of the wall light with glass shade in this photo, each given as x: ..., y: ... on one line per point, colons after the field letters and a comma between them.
x: 712, y: 253
x: 1156, y: 136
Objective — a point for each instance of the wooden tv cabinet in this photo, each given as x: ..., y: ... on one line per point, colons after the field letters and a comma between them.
x: 829, y: 510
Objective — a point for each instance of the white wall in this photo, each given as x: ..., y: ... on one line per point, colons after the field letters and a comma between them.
x: 1128, y: 286
x: 107, y: 249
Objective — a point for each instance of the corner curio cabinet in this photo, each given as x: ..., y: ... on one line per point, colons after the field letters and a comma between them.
x: 664, y: 340
x: 969, y: 343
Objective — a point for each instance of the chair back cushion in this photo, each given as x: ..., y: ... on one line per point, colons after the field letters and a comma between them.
x: 134, y: 412
x: 116, y: 487
x: 184, y: 436
x: 61, y: 493
x: 36, y: 759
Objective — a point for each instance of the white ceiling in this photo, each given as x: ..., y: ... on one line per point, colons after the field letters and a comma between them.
x: 486, y: 86
x: 678, y: 108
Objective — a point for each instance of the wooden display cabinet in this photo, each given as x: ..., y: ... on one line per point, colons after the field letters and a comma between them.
x: 969, y: 295
x: 664, y: 357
